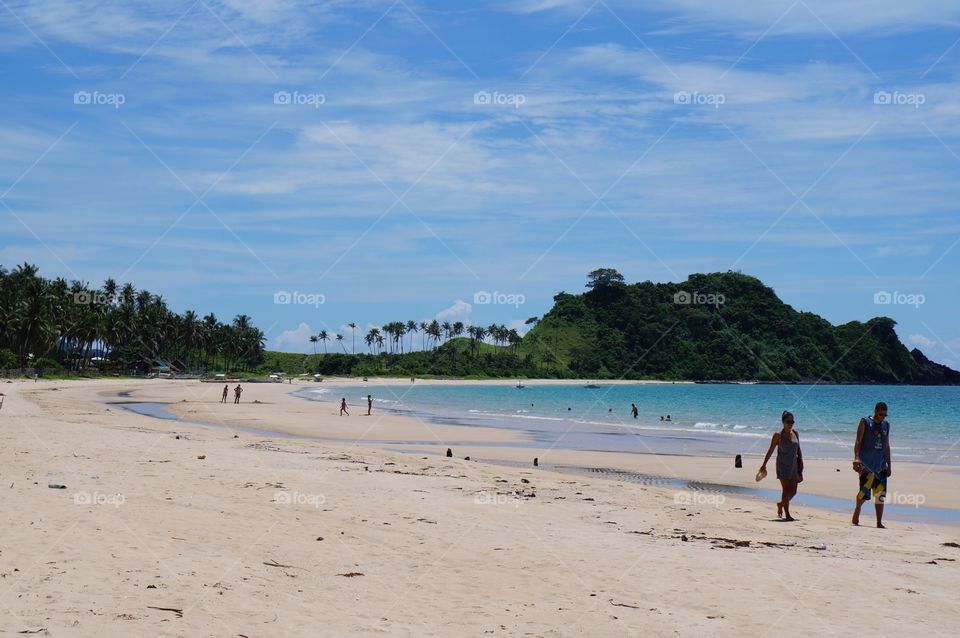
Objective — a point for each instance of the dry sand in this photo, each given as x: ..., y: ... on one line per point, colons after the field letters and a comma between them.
x: 267, y: 535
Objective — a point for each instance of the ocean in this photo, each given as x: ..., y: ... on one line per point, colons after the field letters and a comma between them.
x: 713, y: 420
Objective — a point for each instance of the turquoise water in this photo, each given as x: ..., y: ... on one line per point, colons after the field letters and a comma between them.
x: 919, y: 514
x: 705, y: 419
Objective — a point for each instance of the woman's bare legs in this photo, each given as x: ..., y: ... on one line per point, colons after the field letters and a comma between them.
x: 789, y: 491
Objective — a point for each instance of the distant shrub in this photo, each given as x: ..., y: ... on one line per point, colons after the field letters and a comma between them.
x: 8, y: 360
x: 46, y: 363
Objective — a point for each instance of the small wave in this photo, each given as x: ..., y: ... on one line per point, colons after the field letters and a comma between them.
x: 508, y: 415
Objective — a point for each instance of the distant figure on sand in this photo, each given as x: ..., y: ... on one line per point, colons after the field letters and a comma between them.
x: 789, y: 463
x: 237, y: 391
x: 633, y: 410
x: 369, y: 404
x: 871, y: 460
x: 343, y: 407
x: 226, y: 390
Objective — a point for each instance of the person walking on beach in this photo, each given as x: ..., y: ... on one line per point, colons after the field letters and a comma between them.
x: 237, y: 391
x: 789, y: 463
x: 226, y: 390
x: 369, y: 404
x: 871, y: 460
x: 343, y: 407
x: 633, y: 410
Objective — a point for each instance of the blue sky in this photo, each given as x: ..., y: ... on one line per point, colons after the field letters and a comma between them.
x: 395, y: 158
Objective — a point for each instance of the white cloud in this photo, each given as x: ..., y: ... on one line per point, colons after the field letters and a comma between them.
x: 519, y: 325
x: 935, y: 350
x: 459, y: 311
x: 771, y: 18
x: 920, y: 341
x: 903, y: 251
x: 297, y: 340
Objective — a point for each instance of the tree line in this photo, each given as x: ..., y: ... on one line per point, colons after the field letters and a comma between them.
x: 56, y: 323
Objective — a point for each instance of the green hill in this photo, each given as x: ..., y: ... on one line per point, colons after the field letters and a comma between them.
x: 717, y: 326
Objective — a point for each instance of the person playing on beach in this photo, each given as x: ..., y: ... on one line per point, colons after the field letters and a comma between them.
x: 633, y: 410
x: 871, y: 460
x: 237, y: 391
x: 789, y: 463
x: 369, y: 404
x: 343, y: 407
x: 226, y: 390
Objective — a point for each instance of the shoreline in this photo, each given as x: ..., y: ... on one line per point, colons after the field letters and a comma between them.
x: 173, y: 529
x: 827, y: 478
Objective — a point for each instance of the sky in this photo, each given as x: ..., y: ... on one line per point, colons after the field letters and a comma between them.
x: 313, y: 164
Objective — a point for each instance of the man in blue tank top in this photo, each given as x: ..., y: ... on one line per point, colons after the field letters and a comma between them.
x: 871, y: 459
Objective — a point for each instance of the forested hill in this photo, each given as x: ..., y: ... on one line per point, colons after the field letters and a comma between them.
x: 717, y: 326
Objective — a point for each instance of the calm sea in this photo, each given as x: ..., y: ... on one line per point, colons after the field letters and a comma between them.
x: 704, y: 419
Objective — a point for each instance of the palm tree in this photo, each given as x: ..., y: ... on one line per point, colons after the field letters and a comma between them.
x: 353, y: 336
x: 324, y: 337
x: 412, y: 331
x: 423, y: 332
x: 370, y: 338
x: 313, y: 340
x: 339, y: 339
x: 400, y: 329
x: 434, y: 331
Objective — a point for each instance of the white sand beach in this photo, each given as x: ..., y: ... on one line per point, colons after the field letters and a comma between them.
x: 166, y: 528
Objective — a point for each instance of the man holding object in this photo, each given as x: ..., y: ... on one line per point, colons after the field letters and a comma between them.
x: 871, y: 459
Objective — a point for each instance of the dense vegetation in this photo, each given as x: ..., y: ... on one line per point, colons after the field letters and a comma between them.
x: 719, y: 326
x: 52, y: 324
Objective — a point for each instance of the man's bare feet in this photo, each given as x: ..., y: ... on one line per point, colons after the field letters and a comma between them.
x: 880, y: 526
x: 779, y: 510
x: 856, y: 519
x: 789, y: 518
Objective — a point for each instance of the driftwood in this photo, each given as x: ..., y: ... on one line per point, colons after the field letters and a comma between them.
x: 273, y: 563
x: 178, y: 612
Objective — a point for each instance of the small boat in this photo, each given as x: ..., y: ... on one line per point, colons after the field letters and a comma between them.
x: 592, y: 385
x: 520, y: 385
